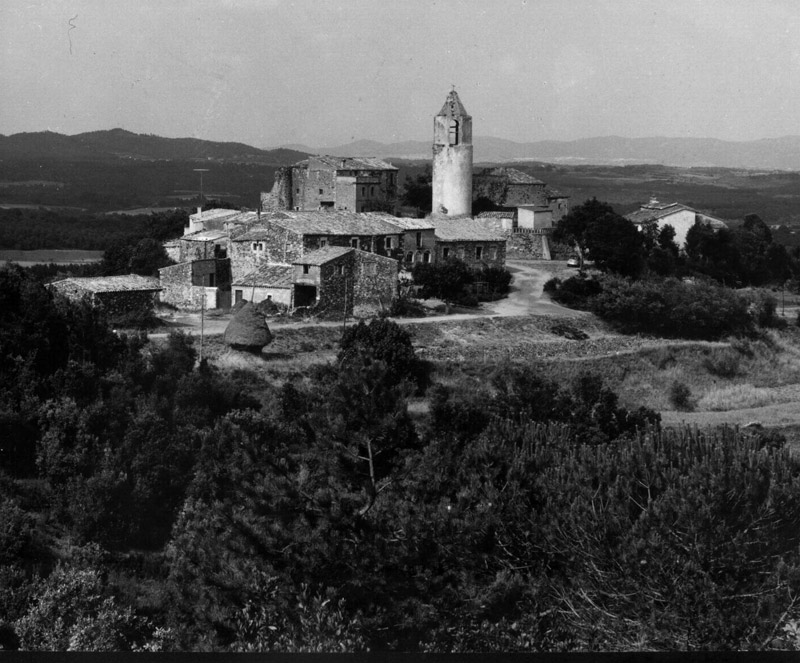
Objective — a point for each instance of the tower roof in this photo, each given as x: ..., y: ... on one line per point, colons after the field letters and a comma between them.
x: 453, y: 106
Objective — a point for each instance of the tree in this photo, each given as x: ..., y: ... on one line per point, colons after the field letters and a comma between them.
x: 572, y: 228
x: 614, y: 244
x: 418, y: 192
x: 446, y: 280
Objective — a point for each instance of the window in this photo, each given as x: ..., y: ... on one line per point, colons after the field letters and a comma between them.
x: 258, y: 246
x: 371, y: 191
x: 453, y: 132
x: 446, y: 252
x: 212, y: 281
x: 354, y: 242
x: 409, y: 257
x: 306, y: 269
x: 419, y: 240
x: 323, y: 242
x: 321, y: 191
x: 297, y: 190
x: 237, y: 296
x: 387, y: 243
x: 340, y: 269
x: 478, y: 252
x: 363, y: 191
x: 426, y: 257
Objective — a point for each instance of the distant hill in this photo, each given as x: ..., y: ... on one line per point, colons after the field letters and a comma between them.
x: 116, y: 144
x: 769, y: 153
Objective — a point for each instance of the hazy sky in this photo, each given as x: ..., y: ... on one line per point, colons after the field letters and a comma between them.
x: 324, y: 72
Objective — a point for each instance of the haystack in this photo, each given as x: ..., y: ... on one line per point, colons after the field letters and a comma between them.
x: 248, y: 330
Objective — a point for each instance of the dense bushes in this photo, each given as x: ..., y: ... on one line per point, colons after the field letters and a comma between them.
x: 668, y: 307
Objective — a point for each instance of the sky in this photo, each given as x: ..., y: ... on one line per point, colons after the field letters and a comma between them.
x: 324, y: 72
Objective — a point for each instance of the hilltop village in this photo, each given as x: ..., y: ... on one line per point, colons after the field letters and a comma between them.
x: 328, y: 235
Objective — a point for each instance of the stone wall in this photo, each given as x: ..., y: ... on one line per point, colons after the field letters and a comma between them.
x: 374, y: 285
x: 492, y: 254
x: 281, y: 296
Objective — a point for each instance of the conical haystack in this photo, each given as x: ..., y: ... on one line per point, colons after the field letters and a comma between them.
x: 248, y: 330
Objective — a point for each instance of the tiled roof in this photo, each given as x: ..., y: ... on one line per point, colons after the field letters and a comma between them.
x: 126, y: 283
x: 471, y: 230
x: 408, y: 223
x: 510, y: 175
x: 216, y: 213
x: 253, y: 235
x: 323, y: 255
x: 270, y: 276
x: 336, y: 222
x: 453, y: 106
x: 206, y: 236
x: 349, y: 163
x: 508, y: 214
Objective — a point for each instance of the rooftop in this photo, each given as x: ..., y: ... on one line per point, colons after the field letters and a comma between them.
x: 348, y: 163
x: 655, y: 210
x: 126, y: 283
x: 338, y: 222
x: 206, y: 236
x: 468, y: 230
x: 323, y: 255
x: 453, y: 106
x: 502, y: 214
x: 273, y: 276
x: 408, y: 223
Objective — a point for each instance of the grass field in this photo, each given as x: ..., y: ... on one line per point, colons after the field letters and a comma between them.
x: 46, y: 256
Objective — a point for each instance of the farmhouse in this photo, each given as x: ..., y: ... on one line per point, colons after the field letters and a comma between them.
x: 115, y: 294
x: 679, y: 216
x: 196, y: 284
x: 418, y: 241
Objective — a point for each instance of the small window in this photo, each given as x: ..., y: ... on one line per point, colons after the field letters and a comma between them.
x: 478, y: 252
x: 426, y: 257
x: 340, y: 269
x: 419, y: 240
x: 409, y: 257
x: 297, y: 190
x: 237, y: 296
x: 212, y: 280
x: 387, y: 243
x: 306, y: 269
x: 321, y: 191
x: 323, y: 242
x: 446, y: 252
x: 354, y: 242
x: 363, y: 191
x: 371, y: 191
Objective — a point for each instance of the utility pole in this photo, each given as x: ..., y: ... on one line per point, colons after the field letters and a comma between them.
x: 201, y: 171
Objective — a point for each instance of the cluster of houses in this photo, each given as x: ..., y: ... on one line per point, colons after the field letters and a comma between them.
x: 327, y: 237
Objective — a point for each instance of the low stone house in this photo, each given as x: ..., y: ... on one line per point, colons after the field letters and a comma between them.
x: 471, y: 241
x: 267, y: 282
x: 337, y: 279
x: 195, y: 284
x: 202, y: 245
x: 115, y: 294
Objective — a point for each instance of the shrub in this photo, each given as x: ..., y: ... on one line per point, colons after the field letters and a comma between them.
x: 405, y: 307
x: 497, y: 279
x: 681, y: 397
x: 577, y: 291
x: 551, y: 285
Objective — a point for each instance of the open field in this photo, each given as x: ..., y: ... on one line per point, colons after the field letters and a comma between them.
x: 46, y: 256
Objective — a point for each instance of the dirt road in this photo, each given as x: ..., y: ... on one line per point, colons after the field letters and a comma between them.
x: 525, y: 298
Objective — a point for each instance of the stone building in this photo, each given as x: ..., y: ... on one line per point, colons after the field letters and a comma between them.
x: 284, y: 237
x: 452, y: 159
x: 195, y: 284
x: 334, y: 278
x: 321, y: 183
x: 267, y: 282
x: 418, y: 242
x: 509, y: 189
x: 470, y: 241
x: 679, y: 216
x: 202, y: 245
x: 115, y: 294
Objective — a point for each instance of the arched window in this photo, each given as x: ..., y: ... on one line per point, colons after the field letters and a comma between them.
x: 454, y: 132
x: 426, y: 257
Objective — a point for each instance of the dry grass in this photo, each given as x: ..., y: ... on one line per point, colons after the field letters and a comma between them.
x: 736, y: 397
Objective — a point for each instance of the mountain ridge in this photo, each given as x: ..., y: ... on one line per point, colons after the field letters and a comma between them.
x: 781, y: 153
